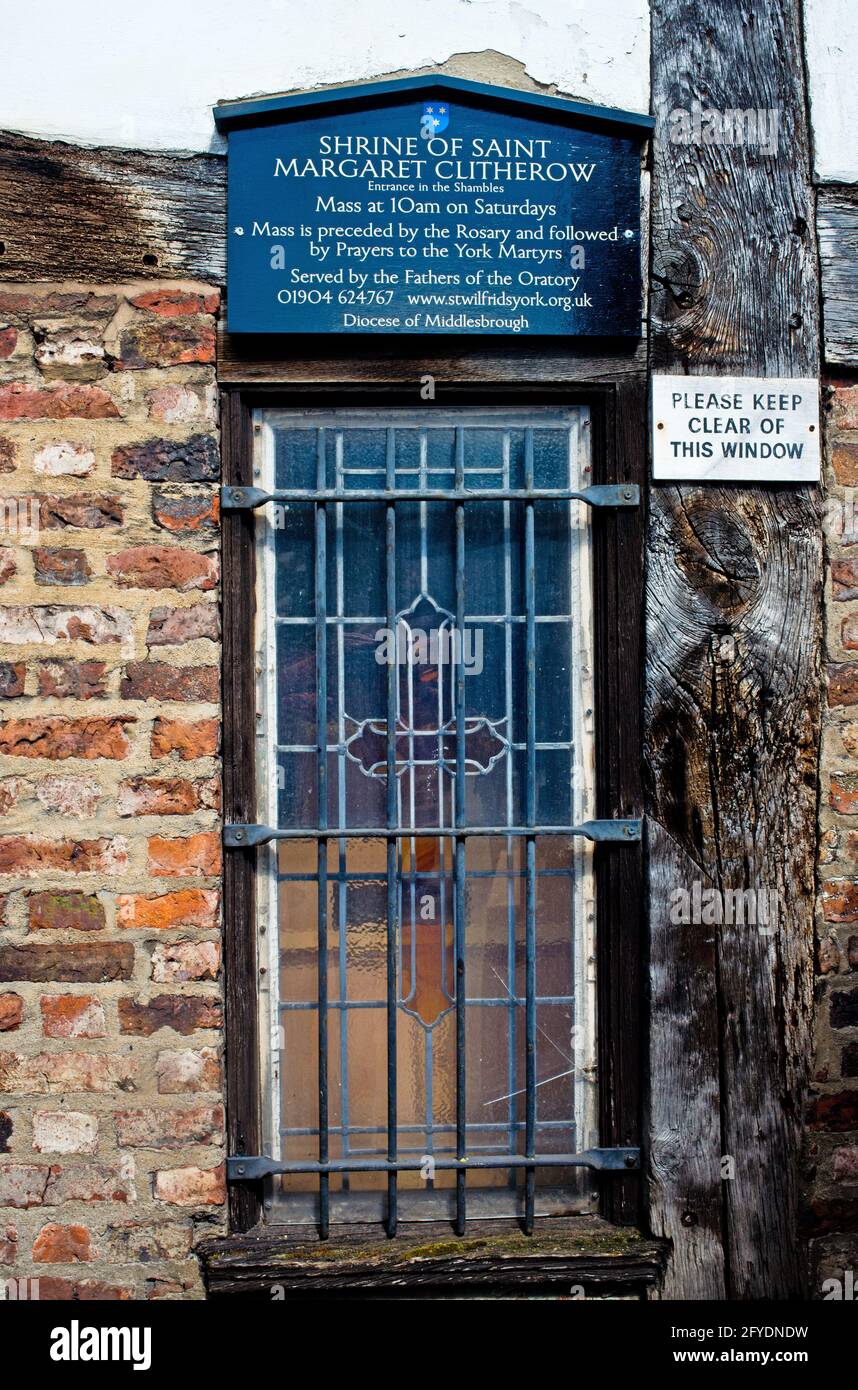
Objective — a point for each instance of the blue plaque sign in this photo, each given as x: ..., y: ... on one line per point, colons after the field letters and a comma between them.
x: 433, y: 206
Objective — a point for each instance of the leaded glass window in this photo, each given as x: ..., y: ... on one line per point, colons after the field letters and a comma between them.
x: 425, y: 613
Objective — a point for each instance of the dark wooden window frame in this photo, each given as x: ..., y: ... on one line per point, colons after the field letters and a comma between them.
x: 618, y: 413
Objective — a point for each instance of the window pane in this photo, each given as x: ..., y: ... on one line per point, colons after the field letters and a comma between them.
x: 351, y: 448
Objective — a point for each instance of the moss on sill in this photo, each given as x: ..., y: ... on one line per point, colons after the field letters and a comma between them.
x: 557, y: 1241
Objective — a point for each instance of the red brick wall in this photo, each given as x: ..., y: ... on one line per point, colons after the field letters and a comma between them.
x: 832, y: 1144
x: 111, y: 1106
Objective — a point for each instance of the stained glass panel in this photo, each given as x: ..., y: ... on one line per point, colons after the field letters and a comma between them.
x: 352, y: 450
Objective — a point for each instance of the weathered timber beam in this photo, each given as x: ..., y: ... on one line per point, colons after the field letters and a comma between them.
x: 733, y: 683
x: 258, y: 360
x: 494, y: 1257
x: 837, y: 231
x: 68, y: 213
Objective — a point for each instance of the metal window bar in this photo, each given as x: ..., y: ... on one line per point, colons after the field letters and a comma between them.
x: 322, y: 816
x: 392, y: 843
x: 459, y: 863
x: 530, y: 842
x: 242, y: 835
x: 247, y: 499
x: 511, y: 915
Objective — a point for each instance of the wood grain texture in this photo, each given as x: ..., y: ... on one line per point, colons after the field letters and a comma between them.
x: 263, y: 361
x: 837, y: 232
x: 619, y: 452
x: 69, y: 213
x: 239, y: 789
x: 492, y: 1259
x: 732, y: 690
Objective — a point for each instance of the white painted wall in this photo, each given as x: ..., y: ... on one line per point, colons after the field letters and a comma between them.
x: 831, y: 29
x: 145, y: 73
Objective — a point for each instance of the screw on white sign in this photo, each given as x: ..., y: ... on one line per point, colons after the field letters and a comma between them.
x: 735, y: 429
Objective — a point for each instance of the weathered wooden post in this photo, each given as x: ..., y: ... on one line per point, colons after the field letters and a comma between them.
x: 733, y: 675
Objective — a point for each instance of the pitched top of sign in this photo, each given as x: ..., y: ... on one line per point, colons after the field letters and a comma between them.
x: 267, y: 110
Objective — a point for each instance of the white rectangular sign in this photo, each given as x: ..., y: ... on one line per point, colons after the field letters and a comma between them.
x: 739, y: 429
